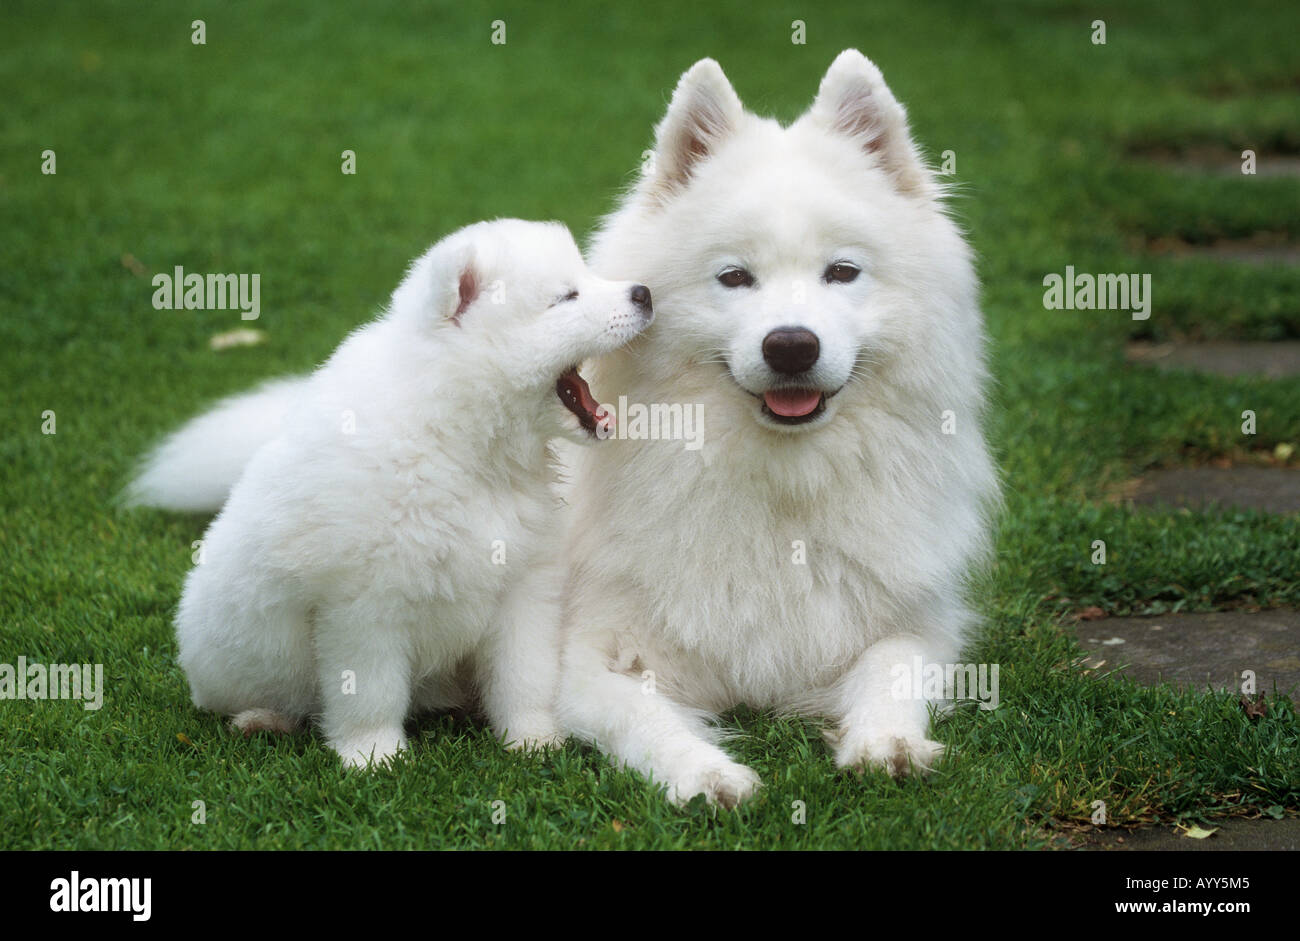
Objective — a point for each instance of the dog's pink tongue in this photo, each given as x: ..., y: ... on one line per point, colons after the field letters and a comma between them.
x: 792, y: 403
x: 577, y: 398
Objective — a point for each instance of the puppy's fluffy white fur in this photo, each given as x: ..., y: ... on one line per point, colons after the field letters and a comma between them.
x: 389, y: 545
x: 686, y: 594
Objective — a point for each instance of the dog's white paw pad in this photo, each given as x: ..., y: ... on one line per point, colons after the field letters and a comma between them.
x: 726, y: 786
x: 899, y: 755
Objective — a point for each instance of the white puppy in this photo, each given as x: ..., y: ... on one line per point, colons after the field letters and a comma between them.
x: 388, y: 547
x: 816, y: 302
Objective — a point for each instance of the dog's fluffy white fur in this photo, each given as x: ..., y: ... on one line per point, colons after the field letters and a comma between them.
x: 686, y: 594
x: 390, y: 544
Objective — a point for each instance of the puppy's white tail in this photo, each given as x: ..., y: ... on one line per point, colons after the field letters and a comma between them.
x: 195, y: 467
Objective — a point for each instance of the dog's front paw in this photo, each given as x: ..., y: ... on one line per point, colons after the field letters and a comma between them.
x: 900, y: 755
x: 726, y: 785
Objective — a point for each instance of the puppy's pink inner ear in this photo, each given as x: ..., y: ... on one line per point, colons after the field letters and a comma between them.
x: 469, y: 291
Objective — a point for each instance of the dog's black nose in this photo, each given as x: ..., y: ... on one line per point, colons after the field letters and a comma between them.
x: 791, y: 350
x: 641, y: 298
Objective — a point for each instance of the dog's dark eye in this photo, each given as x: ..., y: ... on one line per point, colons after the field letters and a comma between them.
x: 571, y: 296
x: 736, y: 278
x: 841, y: 272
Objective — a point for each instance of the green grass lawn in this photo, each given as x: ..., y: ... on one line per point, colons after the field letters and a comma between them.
x: 226, y: 157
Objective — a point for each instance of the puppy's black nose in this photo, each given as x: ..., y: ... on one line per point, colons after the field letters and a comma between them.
x: 641, y: 298
x: 791, y: 350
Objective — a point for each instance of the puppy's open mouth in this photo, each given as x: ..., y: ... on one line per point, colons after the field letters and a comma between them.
x: 577, y: 398
x: 793, y: 406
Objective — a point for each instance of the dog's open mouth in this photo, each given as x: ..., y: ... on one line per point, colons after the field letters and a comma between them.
x: 793, y: 406
x: 577, y: 398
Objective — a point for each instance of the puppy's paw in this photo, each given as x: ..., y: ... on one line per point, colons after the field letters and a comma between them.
x: 535, y: 741
x: 900, y: 755
x: 724, y: 785
x: 370, y: 751
x: 263, y: 720
x: 533, y: 733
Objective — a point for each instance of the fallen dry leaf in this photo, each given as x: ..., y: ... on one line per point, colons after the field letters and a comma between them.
x: 1090, y: 613
x: 1254, y: 708
x: 1196, y: 833
x: 241, y: 337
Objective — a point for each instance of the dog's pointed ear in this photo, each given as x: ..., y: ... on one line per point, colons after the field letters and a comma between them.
x: 460, y: 281
x: 854, y: 100
x: 704, y: 112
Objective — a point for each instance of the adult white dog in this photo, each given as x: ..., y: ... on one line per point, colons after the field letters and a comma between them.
x: 387, y: 546
x: 814, y: 297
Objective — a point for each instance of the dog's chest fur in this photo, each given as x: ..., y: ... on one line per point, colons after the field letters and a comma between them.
x: 742, y: 599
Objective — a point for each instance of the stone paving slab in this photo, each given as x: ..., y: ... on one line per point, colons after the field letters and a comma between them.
x: 1270, y: 360
x: 1224, y: 162
x: 1261, y: 256
x: 1232, y: 835
x: 1199, y: 650
x: 1271, y: 489
x: 1259, y: 252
